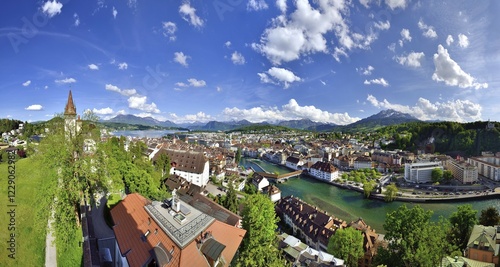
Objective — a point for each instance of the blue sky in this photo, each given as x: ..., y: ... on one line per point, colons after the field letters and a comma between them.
x: 331, y: 61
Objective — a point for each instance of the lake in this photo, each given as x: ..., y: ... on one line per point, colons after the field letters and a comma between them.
x: 350, y: 205
x: 145, y: 133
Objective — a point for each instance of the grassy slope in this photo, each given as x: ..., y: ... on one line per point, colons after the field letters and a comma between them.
x: 30, y: 232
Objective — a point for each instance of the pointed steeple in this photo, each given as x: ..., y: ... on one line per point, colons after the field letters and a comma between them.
x: 70, y: 108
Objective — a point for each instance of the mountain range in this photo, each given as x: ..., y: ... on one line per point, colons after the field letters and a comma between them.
x: 383, y: 118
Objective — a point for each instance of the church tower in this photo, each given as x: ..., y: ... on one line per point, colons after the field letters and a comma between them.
x: 71, y: 126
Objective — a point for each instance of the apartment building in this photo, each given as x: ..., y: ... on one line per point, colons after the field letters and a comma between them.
x: 487, y: 166
x: 462, y: 171
x: 420, y: 172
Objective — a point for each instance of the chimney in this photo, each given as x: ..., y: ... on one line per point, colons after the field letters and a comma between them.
x: 300, y: 207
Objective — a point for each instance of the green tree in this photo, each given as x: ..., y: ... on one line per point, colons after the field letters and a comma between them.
x: 489, y: 217
x: 390, y: 192
x: 447, y: 175
x: 437, y: 175
x: 237, y: 158
x: 231, y: 200
x: 347, y: 243
x: 259, y: 246
x: 462, y: 221
x: 413, y: 240
x: 368, y: 188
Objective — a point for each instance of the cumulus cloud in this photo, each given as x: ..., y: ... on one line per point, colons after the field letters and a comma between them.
x: 449, y: 72
x: 103, y: 111
x: 77, y: 20
x: 414, y: 59
x: 449, y: 40
x: 237, y: 58
x: 196, y: 83
x: 427, y: 31
x: 188, y: 13
x: 256, y: 5
x: 180, y: 58
x: 140, y: 103
x: 52, y: 8
x: 405, y: 37
x: 123, y: 66
x: 452, y: 110
x: 304, y: 31
x: 190, y: 118
x: 93, y: 67
x: 279, y: 76
x: 125, y: 92
x: 35, y: 107
x: 115, y: 12
x: 380, y: 81
x: 383, y: 25
x: 365, y: 3
x: 394, y: 4
x: 227, y: 44
x: 65, y: 81
x: 366, y: 71
x: 169, y: 29
x: 27, y: 83
x: 281, y: 4
x: 463, y: 41
x: 290, y: 111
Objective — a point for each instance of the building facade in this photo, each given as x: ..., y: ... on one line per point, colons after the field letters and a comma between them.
x: 420, y: 172
x: 324, y: 171
x: 190, y: 165
x: 487, y: 166
x: 463, y: 171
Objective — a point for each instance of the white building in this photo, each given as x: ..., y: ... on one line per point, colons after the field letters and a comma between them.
x: 464, y: 172
x: 420, y: 172
x: 487, y: 166
x: 294, y: 163
x: 190, y: 165
x: 363, y: 163
x: 260, y: 182
x: 324, y: 171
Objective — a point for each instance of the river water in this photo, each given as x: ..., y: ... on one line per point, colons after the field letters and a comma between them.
x: 350, y: 205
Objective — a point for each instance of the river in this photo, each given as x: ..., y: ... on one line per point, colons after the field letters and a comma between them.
x: 145, y: 133
x: 350, y: 205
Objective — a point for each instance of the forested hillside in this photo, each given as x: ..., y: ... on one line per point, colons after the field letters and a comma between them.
x: 468, y: 139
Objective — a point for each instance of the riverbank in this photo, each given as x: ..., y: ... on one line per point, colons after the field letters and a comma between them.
x: 403, y: 197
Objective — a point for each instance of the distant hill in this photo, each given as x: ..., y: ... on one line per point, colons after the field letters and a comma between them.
x: 302, y: 124
x: 147, y: 121
x: 221, y: 126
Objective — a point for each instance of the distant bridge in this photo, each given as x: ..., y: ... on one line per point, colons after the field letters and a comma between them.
x: 280, y: 177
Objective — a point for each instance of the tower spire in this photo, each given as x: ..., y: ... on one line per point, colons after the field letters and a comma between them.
x: 70, y: 108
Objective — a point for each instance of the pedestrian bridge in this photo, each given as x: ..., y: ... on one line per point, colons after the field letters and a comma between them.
x: 280, y: 177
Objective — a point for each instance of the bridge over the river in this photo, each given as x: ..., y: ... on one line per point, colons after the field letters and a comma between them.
x: 280, y: 177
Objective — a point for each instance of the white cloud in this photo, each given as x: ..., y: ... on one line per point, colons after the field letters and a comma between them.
x: 449, y: 72
x: 452, y: 110
x: 115, y: 12
x: 365, y: 3
x: 103, y: 111
x: 427, y: 31
x: 380, y: 81
x: 383, y: 25
x: 406, y: 37
x: 123, y: 66
x: 181, y: 84
x: 392, y: 47
x: 77, y: 19
x: 190, y: 118
x: 196, y: 83
x: 46, y: 87
x: 305, y: 31
x: 188, y: 13
x: 35, y: 107
x: 290, y: 111
x: 449, y: 40
x: 125, y: 92
x: 180, y: 58
x: 27, y: 83
x: 93, y: 67
x: 279, y: 76
x: 281, y: 4
x: 393, y: 4
x: 140, y: 103
x: 65, y: 81
x: 414, y: 59
x: 463, y: 41
x: 169, y: 29
x: 52, y: 8
x: 227, y: 44
x: 366, y: 71
x: 256, y: 5
x: 237, y: 58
